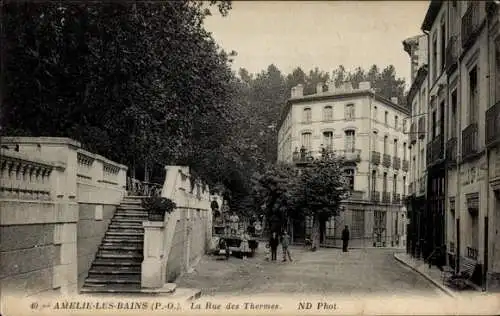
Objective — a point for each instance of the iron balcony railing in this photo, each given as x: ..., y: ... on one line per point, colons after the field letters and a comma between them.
x: 472, y: 253
x: 435, y: 150
x: 413, y: 134
x: 421, y: 127
x: 375, y: 196
x: 493, y: 125
x: 386, y: 197
x: 405, y: 165
x: 396, y: 163
x: 396, y: 198
x: 386, y: 162
x: 469, y: 141
x: 451, y: 151
x: 349, y: 155
x: 470, y: 24
x: 451, y: 54
x: 375, y: 158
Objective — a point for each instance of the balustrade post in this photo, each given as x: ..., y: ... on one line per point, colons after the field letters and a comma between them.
x: 153, y: 268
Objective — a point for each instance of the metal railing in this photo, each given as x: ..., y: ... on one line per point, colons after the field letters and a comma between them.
x: 375, y: 158
x: 470, y: 24
x: 386, y: 162
x: 469, y: 141
x: 493, y: 124
x: 472, y: 253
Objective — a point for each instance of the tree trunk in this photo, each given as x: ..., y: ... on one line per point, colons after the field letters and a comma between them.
x: 315, y: 233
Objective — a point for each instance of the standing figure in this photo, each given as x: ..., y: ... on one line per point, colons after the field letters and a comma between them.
x: 245, y: 247
x: 345, y: 238
x: 234, y: 219
x: 273, y: 244
x: 285, y: 242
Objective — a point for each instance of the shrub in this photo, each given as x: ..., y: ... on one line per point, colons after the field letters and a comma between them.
x: 157, y: 207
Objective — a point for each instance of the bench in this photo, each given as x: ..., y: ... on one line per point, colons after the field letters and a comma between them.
x: 461, y: 280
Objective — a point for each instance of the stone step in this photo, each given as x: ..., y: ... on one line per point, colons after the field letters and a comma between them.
x: 128, y: 214
x: 135, y: 253
x: 135, y: 197
x: 125, y: 226
x: 112, y: 288
x: 125, y: 230
x: 114, y: 279
x: 122, y: 247
x: 130, y: 208
x: 115, y: 269
x: 112, y: 262
x: 121, y: 233
x: 122, y: 241
x: 131, y: 201
x: 127, y: 220
x: 138, y: 256
x: 143, y: 217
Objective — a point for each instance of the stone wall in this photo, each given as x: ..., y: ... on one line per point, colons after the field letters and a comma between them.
x: 54, y: 209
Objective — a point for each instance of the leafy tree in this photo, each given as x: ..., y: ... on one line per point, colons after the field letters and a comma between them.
x: 319, y: 190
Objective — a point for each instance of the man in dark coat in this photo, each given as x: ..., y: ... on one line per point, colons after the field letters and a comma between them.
x: 345, y: 238
x: 273, y: 244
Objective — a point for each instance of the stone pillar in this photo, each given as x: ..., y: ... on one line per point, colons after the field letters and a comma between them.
x: 153, y: 269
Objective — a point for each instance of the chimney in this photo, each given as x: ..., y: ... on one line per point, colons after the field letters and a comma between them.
x: 319, y: 88
x: 365, y: 85
x: 294, y: 92
x: 299, y: 91
x: 394, y: 100
x: 347, y: 86
x: 331, y: 86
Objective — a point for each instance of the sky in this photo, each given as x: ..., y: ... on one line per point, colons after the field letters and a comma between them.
x: 321, y: 34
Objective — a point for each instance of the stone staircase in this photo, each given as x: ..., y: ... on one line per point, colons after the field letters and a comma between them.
x: 117, y: 265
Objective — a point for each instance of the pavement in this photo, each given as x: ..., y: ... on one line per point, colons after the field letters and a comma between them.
x: 326, y: 271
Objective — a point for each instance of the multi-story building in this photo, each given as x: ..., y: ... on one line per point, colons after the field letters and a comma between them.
x: 367, y: 130
x: 462, y: 132
x: 416, y: 47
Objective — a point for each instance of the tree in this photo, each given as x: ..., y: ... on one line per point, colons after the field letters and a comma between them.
x: 319, y: 190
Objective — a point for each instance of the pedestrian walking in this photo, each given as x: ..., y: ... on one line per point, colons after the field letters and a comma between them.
x: 285, y: 242
x: 345, y: 238
x: 273, y: 244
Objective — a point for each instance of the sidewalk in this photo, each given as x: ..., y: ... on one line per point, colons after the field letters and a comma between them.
x: 432, y: 274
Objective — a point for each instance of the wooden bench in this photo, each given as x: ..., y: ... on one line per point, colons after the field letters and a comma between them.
x: 461, y: 280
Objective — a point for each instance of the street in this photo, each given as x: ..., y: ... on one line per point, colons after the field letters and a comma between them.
x: 327, y: 271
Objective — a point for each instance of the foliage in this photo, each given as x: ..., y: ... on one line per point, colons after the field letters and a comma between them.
x: 157, y: 207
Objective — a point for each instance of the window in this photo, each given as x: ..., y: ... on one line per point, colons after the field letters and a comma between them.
x: 422, y: 160
x: 404, y: 151
x: 374, y: 141
x: 396, y: 122
x: 358, y: 224
x: 414, y: 168
x: 375, y: 113
x: 386, y: 145
x: 404, y: 185
x: 404, y: 125
x: 453, y: 119
x: 497, y: 74
x: 349, y: 112
x: 350, y: 140
x: 306, y: 140
x: 349, y: 174
x: 434, y: 124
x: 328, y: 113
x: 386, y: 118
x: 473, y: 95
x: 395, y: 184
x: 379, y: 219
x: 328, y: 140
x: 384, y: 183
x: 395, y: 148
x: 307, y: 115
x: 434, y: 58
x: 443, y: 45
x: 374, y: 180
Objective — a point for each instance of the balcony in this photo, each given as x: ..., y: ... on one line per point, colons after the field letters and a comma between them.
x: 357, y: 195
x: 421, y: 185
x: 469, y: 141
x: 451, y: 151
x: 435, y: 150
x: 413, y: 134
x: 451, y: 54
x: 396, y: 163
x: 421, y: 128
x: 386, y: 197
x: 375, y: 197
x: 405, y: 165
x: 396, y: 198
x: 470, y: 24
x: 472, y: 253
x: 375, y: 158
x: 386, y: 162
x: 349, y: 155
x: 492, y: 125
x: 302, y: 156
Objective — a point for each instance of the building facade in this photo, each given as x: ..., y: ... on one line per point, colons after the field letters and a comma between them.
x: 462, y: 214
x: 367, y: 130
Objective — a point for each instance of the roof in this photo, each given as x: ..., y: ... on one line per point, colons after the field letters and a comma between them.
x: 431, y: 14
x: 407, y: 43
x: 417, y: 83
x: 336, y: 96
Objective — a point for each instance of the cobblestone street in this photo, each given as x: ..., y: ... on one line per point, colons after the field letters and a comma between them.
x: 370, y: 271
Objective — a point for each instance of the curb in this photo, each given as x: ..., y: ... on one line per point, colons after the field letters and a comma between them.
x: 425, y: 275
